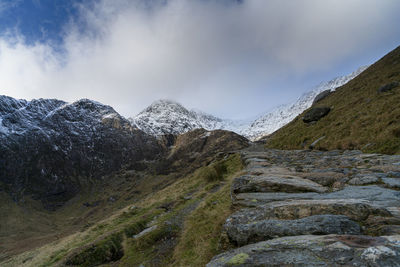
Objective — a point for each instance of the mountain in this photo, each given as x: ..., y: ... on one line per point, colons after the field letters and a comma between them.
x: 362, y: 114
x: 50, y: 149
x: 169, y: 117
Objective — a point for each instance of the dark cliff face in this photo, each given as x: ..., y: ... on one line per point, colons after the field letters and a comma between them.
x: 50, y: 149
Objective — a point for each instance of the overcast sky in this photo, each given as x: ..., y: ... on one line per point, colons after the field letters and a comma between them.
x: 231, y: 58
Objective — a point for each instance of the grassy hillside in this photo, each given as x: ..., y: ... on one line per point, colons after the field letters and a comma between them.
x: 188, y: 215
x: 361, y: 116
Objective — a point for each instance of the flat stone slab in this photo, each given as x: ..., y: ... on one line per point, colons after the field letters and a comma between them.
x: 391, y: 182
x: 323, y: 178
x: 243, y: 234
x: 378, y: 195
x: 275, y: 183
x: 364, y: 179
x: 311, y: 250
x: 257, y: 199
x: 356, y: 209
x: 373, y: 193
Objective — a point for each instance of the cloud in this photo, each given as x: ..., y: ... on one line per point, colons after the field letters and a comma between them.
x: 7, y: 4
x: 209, y: 54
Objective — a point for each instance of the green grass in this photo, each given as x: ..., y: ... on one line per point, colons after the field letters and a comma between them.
x: 201, y: 238
x: 107, y: 250
x: 361, y: 118
x: 194, y: 239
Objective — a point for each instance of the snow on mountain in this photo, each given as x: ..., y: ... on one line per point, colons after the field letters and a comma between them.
x: 165, y: 116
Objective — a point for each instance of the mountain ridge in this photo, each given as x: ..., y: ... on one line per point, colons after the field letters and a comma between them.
x: 170, y: 117
x: 48, y: 146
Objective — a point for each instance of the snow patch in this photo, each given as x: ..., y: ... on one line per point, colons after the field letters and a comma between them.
x: 3, y: 129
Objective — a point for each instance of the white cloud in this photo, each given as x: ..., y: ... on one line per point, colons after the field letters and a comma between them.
x: 207, y: 54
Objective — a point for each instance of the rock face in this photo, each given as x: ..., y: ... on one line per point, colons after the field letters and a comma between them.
x: 315, y: 114
x: 313, y: 208
x: 321, y: 96
x: 50, y: 149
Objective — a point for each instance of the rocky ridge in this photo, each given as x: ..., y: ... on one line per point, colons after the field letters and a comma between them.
x: 313, y: 208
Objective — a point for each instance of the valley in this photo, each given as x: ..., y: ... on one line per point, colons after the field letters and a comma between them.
x: 80, y: 185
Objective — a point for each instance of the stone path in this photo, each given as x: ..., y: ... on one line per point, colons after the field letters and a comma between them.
x: 311, y: 208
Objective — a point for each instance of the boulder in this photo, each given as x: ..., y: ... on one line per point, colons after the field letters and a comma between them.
x: 315, y: 114
x: 321, y: 96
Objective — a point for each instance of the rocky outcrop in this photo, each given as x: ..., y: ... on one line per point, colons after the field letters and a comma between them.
x: 50, y: 149
x: 321, y: 96
x: 315, y: 114
x: 388, y: 87
x: 313, y: 208
x: 199, y: 147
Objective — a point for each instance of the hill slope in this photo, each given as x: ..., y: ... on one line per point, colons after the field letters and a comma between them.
x: 365, y: 114
x: 282, y: 115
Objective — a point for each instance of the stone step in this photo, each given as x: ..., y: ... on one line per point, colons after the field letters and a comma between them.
x: 356, y: 209
x: 258, y: 199
x: 275, y: 183
x: 376, y: 194
x: 311, y: 250
x: 243, y: 234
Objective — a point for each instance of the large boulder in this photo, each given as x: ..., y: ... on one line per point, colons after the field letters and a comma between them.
x: 321, y: 96
x: 315, y: 114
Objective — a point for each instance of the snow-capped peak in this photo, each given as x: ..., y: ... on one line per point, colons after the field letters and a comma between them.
x: 166, y: 116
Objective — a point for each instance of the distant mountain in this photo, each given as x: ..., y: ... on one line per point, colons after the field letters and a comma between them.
x: 49, y: 149
x: 169, y: 117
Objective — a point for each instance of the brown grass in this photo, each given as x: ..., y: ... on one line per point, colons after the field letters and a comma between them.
x: 361, y: 118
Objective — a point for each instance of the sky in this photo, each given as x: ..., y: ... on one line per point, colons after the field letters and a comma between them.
x: 231, y: 58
